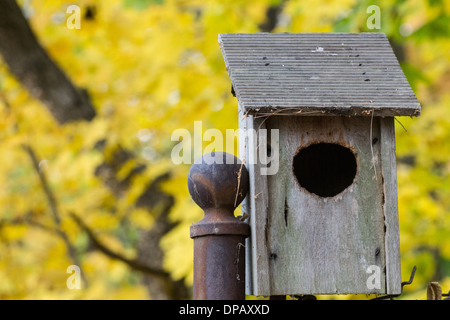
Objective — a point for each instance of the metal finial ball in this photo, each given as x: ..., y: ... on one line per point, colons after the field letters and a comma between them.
x: 218, y: 180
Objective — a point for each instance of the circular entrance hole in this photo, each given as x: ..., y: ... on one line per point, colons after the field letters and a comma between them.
x: 325, y: 169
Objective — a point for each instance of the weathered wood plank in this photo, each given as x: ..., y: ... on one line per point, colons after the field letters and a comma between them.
x: 390, y: 207
x: 256, y: 206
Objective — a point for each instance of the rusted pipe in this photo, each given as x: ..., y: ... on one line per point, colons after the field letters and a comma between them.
x: 218, y: 182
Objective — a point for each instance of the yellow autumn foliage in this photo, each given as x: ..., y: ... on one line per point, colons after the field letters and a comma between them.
x: 153, y: 66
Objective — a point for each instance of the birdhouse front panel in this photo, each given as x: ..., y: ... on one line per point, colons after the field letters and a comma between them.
x: 326, y: 221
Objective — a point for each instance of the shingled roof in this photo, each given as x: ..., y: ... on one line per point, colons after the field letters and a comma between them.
x: 317, y: 73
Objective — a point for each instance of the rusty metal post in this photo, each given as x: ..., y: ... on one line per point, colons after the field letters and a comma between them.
x: 218, y: 182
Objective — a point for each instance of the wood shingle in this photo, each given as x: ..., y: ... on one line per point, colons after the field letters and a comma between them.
x: 317, y: 74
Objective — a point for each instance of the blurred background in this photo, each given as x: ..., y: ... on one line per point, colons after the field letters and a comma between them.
x: 97, y: 189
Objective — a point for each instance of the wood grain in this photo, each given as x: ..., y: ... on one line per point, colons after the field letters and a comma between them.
x: 302, y: 243
x: 316, y: 74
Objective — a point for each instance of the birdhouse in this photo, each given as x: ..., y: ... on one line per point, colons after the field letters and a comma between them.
x: 322, y: 203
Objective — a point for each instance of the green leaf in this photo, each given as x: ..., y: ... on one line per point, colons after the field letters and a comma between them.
x: 414, y: 75
x: 140, y: 4
x: 437, y: 28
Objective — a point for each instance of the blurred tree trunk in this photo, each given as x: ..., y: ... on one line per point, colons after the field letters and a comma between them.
x: 159, y: 284
x: 38, y: 73
x: 273, y: 13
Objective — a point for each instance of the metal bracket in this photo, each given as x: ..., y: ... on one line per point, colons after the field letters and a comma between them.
x: 446, y: 295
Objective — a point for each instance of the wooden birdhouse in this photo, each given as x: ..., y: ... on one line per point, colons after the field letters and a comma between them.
x: 323, y: 213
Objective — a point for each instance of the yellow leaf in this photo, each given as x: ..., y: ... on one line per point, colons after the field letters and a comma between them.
x: 142, y: 218
x: 13, y: 232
